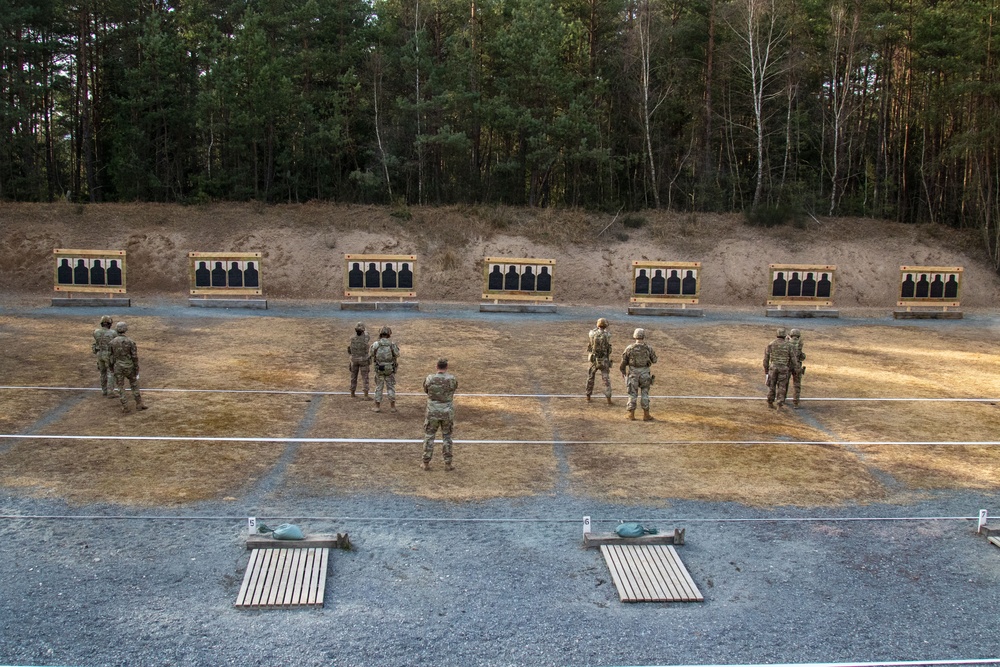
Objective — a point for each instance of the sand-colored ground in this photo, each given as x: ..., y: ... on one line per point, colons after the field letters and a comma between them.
x: 695, y: 449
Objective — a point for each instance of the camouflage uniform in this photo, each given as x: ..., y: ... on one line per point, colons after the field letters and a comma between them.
x: 599, y: 349
x: 440, y: 388
x: 385, y: 370
x: 125, y: 364
x: 637, y: 359
x: 360, y: 361
x: 780, y: 359
x: 795, y: 339
x: 101, y: 347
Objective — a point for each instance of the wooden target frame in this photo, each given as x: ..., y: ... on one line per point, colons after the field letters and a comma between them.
x: 246, y: 261
x: 682, y: 292
x: 92, y: 263
x: 395, y: 263
x: 536, y: 270
x: 820, y: 278
x: 930, y: 286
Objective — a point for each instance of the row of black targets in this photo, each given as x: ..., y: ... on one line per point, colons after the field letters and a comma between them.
x: 95, y: 274
x: 235, y: 276
x: 531, y: 279
x: 795, y: 286
x: 934, y: 289
x: 667, y: 285
x: 386, y: 278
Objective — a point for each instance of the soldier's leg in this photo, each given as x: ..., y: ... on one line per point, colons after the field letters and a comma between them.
x: 133, y: 383
x: 632, y: 385
x: 355, y: 367
x: 446, y: 426
x: 102, y: 367
x: 390, y: 387
x: 591, y: 374
x: 772, y: 378
x: 379, y: 383
x: 606, y: 376
x: 644, y: 383
x: 365, y: 372
x: 430, y: 429
x: 120, y: 384
x: 796, y: 387
x: 781, y: 387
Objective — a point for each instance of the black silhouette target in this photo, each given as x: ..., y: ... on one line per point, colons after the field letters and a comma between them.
x: 379, y: 275
x: 930, y: 285
x: 665, y: 282
x: 94, y: 271
x: 518, y: 278
x: 801, y: 284
x: 225, y: 273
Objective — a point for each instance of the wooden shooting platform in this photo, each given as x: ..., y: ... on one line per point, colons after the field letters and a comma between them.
x: 284, y: 577
x: 649, y: 573
x: 675, y: 536
x: 995, y: 541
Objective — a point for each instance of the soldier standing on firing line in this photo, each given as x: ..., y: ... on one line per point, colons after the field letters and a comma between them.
x: 385, y: 354
x: 102, y: 348
x: 637, y: 359
x: 599, y: 349
x: 780, y: 359
x: 795, y: 338
x: 125, y: 364
x: 440, y: 388
x: 360, y: 361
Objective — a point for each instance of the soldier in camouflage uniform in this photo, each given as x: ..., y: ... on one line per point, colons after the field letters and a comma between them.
x: 101, y: 347
x: 440, y: 388
x: 125, y: 364
x: 599, y: 349
x: 360, y: 361
x: 635, y: 367
x: 780, y: 359
x: 795, y: 338
x: 385, y: 354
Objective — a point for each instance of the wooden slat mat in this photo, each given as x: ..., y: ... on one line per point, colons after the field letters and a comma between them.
x: 995, y: 541
x: 649, y: 573
x: 283, y: 578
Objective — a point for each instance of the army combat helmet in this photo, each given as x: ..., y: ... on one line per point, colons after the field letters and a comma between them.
x: 385, y: 331
x: 639, y: 334
x: 602, y: 323
x: 106, y: 321
x: 781, y: 332
x: 121, y: 327
x: 359, y: 327
x: 794, y: 333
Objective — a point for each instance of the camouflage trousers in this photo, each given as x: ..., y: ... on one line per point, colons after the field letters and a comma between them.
x: 796, y: 386
x: 777, y: 385
x: 104, y: 368
x: 602, y: 368
x: 362, y: 367
x: 639, y: 381
x: 385, y: 381
x: 431, y: 425
x: 122, y: 374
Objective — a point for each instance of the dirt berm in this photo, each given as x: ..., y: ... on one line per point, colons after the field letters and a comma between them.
x: 304, y: 245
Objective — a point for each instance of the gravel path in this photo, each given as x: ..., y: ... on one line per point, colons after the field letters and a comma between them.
x: 457, y: 591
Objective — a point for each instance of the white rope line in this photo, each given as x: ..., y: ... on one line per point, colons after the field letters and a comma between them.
x: 412, y: 519
x: 294, y: 392
x: 410, y: 441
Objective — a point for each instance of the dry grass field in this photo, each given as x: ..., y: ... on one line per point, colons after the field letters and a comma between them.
x: 250, y: 377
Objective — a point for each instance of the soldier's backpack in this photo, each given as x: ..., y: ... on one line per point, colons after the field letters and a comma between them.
x: 359, y: 348
x: 602, y: 345
x: 383, y: 352
x: 639, y: 356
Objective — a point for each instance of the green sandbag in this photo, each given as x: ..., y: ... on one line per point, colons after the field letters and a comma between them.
x: 286, y: 531
x: 633, y: 530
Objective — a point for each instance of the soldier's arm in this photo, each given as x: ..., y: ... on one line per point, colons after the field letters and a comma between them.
x: 767, y: 358
x: 624, y: 364
x: 652, y: 356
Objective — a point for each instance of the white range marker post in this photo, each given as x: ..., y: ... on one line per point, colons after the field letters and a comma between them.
x: 586, y: 525
x: 252, y: 525
x: 982, y: 521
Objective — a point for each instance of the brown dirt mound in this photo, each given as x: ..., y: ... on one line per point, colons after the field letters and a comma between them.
x: 303, y: 248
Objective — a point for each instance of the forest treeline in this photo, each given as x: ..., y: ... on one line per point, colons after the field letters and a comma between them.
x: 881, y: 108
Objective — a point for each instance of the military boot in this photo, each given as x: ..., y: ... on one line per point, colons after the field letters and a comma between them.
x: 425, y: 465
x: 139, y: 405
x: 367, y: 397
x: 392, y: 406
x: 448, y: 466
x: 378, y: 407
x: 588, y: 398
x: 630, y: 415
x: 609, y: 400
x: 646, y: 417
x: 353, y: 394
x: 125, y: 409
